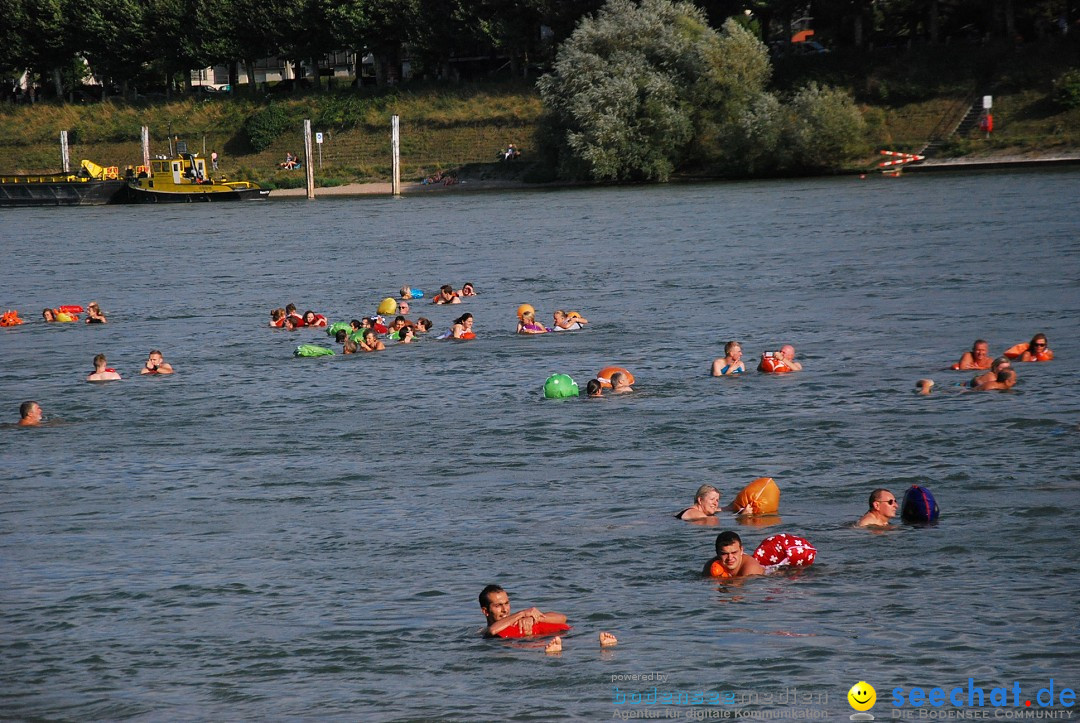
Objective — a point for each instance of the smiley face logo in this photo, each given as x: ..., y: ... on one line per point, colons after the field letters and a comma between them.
x: 862, y: 696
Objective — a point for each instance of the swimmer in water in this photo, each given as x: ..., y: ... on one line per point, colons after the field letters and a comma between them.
x: 446, y: 295
x: 883, y: 508
x: 1005, y: 380
x: 406, y: 335
x: 371, y: 342
x: 94, y: 315
x: 527, y: 324
x: 978, y: 358
x: 495, y: 604
x: 923, y: 386
x: 568, y: 321
x: 277, y: 318
x: 620, y: 383
x: 467, y: 289
x: 403, y: 307
x: 730, y: 560
x: 706, y: 503
x: 156, y: 364
x: 462, y: 326
x: 594, y: 388
x: 101, y: 371
x: 422, y: 325
x: 731, y: 363
x: 999, y: 364
x: 49, y: 315
x: 29, y: 414
x: 1036, y: 346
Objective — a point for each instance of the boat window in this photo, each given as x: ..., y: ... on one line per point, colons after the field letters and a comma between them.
x: 176, y: 166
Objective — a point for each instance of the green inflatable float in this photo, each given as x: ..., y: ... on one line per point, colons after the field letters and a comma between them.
x: 312, y: 350
x: 337, y: 326
x: 559, y: 386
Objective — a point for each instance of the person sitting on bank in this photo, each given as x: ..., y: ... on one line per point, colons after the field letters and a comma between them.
x: 731, y: 363
x: 978, y: 358
x: 156, y: 364
x: 706, y: 503
x: 1005, y: 380
x: 29, y: 414
x: 102, y: 373
x: 883, y: 508
x: 730, y: 560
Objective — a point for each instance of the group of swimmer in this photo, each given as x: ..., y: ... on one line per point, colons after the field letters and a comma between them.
x: 772, y: 362
x: 998, y: 373
x: 69, y: 314
x: 562, y: 321
x: 289, y: 318
x: 155, y: 364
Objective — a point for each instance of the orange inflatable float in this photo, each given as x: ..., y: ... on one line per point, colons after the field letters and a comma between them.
x: 10, y: 318
x: 523, y: 308
x: 718, y: 570
x: 604, y: 376
x: 770, y: 364
x: 760, y: 497
x: 1017, y: 351
x: 72, y: 309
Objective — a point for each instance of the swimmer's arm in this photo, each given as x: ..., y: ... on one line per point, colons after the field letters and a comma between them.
x: 795, y: 366
x: 527, y: 617
x: 751, y: 566
x: 717, y: 367
x: 967, y: 361
x: 165, y: 368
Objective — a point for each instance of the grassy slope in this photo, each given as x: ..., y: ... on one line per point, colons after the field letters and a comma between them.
x: 904, y: 95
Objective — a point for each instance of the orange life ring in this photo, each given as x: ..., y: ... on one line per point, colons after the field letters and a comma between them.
x: 604, y: 376
x: 760, y: 497
x: 772, y: 365
x: 539, y: 628
x: 72, y: 309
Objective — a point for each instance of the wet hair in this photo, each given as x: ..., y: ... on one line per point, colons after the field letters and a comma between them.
x: 726, y: 538
x: 979, y: 341
x: 94, y: 305
x: 406, y: 330
x: 355, y: 324
x: 487, y: 592
x: 26, y: 407
x: 369, y: 332
x: 156, y: 351
x: 593, y: 387
x: 341, y: 336
x: 290, y: 308
x: 349, y: 347
x: 405, y: 292
x: 616, y: 378
x: 463, y: 318
x: 704, y: 490
x: 309, y: 311
x: 470, y: 284
x: 447, y: 289
x: 999, y: 363
x: 99, y: 360
x: 277, y: 314
x: 46, y: 313
x: 1006, y: 375
x: 731, y: 345
x: 1038, y: 337
x: 876, y: 494
x: 424, y: 323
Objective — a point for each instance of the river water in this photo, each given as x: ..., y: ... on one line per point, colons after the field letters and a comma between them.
x: 266, y: 537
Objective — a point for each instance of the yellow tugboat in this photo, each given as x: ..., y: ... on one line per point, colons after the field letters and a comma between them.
x: 184, y: 179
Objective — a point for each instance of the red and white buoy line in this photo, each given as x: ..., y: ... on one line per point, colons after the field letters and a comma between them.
x: 900, y: 159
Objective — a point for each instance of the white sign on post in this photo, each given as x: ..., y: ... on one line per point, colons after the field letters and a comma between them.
x: 988, y: 103
x: 318, y: 136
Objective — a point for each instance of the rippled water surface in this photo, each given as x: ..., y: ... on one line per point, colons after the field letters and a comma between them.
x: 265, y: 537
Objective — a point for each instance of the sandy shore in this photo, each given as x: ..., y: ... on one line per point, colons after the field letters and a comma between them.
x: 1002, y: 161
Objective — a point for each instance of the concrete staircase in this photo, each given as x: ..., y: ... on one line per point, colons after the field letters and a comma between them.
x: 960, y: 118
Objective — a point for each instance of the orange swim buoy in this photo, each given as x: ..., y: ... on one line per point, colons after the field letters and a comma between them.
x: 72, y: 309
x: 10, y: 318
x: 718, y: 570
x: 1017, y: 350
x: 760, y: 497
x: 604, y: 376
x: 1046, y: 355
x: 772, y: 365
x: 523, y: 308
x: 785, y: 549
x: 468, y: 335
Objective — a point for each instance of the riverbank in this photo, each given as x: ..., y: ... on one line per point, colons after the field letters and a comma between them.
x: 1005, y: 161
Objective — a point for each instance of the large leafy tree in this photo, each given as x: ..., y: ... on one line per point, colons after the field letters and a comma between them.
x: 635, y: 84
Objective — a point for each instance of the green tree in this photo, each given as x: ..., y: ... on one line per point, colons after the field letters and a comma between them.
x: 635, y: 84
x: 825, y: 128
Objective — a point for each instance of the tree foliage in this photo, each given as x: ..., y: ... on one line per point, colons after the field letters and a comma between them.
x: 632, y: 85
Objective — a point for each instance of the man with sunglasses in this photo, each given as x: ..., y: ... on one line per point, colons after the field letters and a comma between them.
x: 883, y: 508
